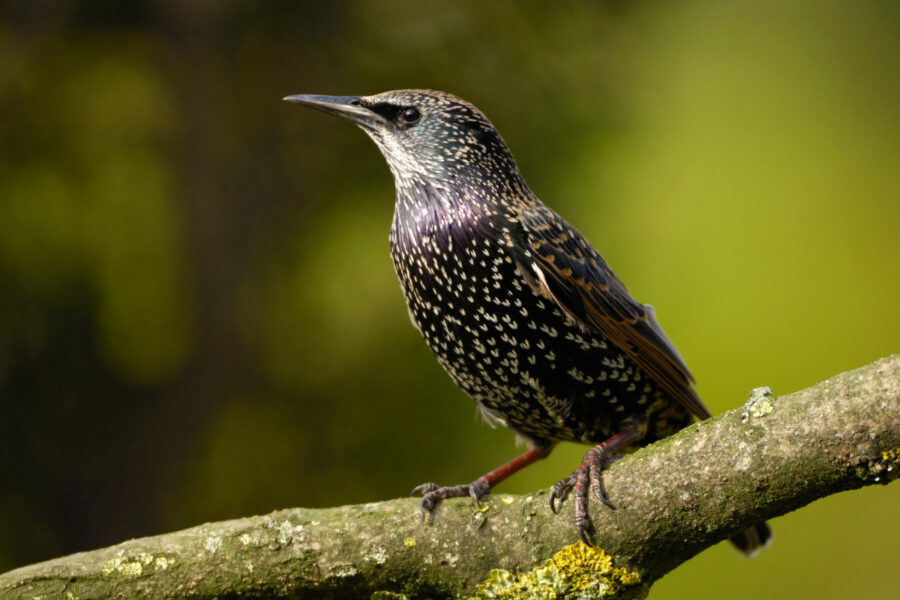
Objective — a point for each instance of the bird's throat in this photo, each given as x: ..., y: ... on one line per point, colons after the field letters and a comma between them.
x: 426, y: 214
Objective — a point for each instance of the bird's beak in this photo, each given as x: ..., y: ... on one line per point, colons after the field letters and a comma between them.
x: 348, y: 107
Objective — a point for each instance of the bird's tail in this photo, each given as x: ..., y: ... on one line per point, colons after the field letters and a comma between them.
x: 750, y: 541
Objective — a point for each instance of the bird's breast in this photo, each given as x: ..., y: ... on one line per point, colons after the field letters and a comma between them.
x: 526, y: 363
x: 495, y: 338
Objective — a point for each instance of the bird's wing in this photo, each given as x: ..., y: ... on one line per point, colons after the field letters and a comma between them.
x: 567, y: 269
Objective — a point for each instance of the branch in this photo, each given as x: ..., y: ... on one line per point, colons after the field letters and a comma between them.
x: 674, y: 499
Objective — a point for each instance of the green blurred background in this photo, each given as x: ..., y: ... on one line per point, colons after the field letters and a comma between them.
x: 199, y: 319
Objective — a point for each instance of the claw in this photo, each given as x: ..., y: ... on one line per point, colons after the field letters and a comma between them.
x: 558, y: 492
x: 606, y: 502
x: 477, y: 490
x: 586, y: 540
x: 432, y: 494
x: 597, y: 487
x: 428, y: 499
x: 589, y: 474
x: 424, y: 489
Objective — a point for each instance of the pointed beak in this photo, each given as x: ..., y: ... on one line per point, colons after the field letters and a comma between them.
x: 348, y: 107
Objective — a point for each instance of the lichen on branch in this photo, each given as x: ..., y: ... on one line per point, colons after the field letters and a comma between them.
x: 673, y: 499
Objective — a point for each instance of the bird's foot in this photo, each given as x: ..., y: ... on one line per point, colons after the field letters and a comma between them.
x: 432, y: 493
x: 587, y: 475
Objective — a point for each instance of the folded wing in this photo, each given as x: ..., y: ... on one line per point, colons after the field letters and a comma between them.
x: 574, y: 275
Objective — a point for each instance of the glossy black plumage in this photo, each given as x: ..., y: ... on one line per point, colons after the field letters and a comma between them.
x: 518, y: 307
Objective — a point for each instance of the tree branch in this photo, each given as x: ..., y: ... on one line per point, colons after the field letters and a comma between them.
x: 674, y: 499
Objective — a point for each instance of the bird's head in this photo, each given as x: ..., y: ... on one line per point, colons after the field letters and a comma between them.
x: 424, y: 135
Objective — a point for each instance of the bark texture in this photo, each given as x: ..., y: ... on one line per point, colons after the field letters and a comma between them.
x: 673, y: 499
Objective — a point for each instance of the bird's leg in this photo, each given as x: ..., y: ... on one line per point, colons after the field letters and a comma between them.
x: 590, y: 474
x: 432, y: 493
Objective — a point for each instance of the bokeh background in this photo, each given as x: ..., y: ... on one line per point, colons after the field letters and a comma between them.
x: 198, y: 315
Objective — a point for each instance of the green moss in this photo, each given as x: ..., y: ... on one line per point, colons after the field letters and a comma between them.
x: 577, y: 571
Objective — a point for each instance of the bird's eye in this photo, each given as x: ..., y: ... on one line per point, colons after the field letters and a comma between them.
x: 410, y: 116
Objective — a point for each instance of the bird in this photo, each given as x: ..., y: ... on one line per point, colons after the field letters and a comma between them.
x: 518, y: 307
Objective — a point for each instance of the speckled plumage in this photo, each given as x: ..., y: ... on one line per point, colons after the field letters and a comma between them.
x: 518, y: 307
x: 470, y: 243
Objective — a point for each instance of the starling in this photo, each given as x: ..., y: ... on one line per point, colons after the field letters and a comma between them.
x: 518, y: 307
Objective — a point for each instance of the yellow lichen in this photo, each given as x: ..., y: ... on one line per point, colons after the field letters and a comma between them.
x: 577, y: 571
x: 386, y: 595
x: 112, y: 565
x: 762, y: 408
x: 134, y: 566
x: 587, y: 567
x: 344, y: 571
x: 759, y: 404
x: 213, y: 543
x: 132, y: 569
x: 888, y: 468
x: 123, y: 567
x: 541, y: 583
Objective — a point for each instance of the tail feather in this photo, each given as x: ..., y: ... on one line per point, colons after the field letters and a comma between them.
x: 752, y: 540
